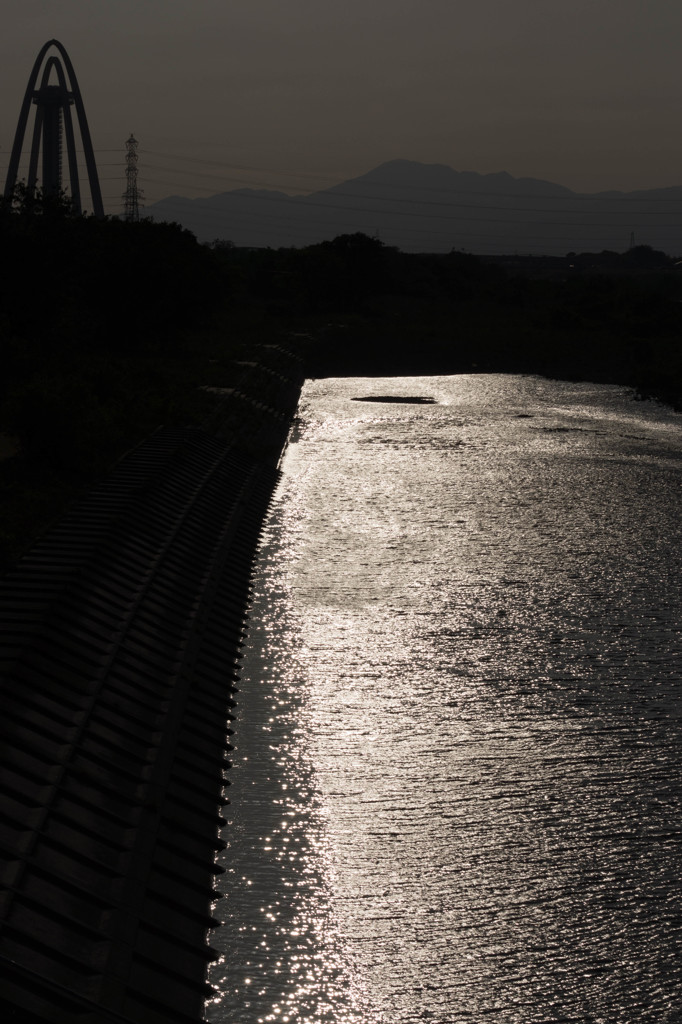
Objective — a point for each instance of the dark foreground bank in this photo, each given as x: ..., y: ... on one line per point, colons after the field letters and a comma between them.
x: 119, y: 652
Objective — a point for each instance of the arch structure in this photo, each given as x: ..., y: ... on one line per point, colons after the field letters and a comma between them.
x: 52, y: 125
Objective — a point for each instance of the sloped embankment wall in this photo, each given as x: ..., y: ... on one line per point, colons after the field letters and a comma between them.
x: 120, y: 642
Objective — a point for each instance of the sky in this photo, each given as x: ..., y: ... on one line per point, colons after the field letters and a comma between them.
x: 299, y: 95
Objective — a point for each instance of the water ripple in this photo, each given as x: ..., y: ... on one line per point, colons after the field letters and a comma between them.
x: 459, y: 750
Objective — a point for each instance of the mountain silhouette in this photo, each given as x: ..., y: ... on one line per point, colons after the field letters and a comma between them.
x: 433, y: 208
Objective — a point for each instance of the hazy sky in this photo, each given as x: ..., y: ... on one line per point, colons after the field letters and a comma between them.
x: 300, y: 94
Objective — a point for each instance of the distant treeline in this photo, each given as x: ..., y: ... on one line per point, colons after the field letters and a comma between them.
x: 605, y: 316
x: 109, y: 329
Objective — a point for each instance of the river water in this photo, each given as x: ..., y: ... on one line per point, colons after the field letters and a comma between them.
x: 456, y: 783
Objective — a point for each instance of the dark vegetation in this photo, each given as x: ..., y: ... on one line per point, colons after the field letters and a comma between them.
x: 108, y: 330
x: 607, y: 317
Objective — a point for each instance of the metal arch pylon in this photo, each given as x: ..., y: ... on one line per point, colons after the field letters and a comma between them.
x: 54, y: 62
x: 74, y: 94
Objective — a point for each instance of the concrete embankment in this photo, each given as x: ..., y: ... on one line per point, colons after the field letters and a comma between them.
x: 119, y: 653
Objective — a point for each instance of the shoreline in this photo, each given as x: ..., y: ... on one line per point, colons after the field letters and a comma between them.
x: 120, y: 651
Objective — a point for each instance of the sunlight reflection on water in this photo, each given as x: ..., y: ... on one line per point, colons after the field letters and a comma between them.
x: 456, y: 783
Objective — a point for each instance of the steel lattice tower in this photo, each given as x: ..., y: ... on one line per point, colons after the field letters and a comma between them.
x: 53, y: 123
x: 132, y: 194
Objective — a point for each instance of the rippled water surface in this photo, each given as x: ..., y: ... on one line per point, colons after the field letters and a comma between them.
x: 456, y: 783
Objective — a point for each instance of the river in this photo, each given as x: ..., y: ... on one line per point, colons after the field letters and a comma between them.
x: 456, y: 782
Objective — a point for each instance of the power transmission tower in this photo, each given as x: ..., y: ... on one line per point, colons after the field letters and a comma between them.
x: 132, y: 194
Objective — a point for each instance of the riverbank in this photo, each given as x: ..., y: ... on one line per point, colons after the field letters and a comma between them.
x: 64, y: 435
x: 120, y: 643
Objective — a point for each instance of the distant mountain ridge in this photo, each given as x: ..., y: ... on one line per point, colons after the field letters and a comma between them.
x: 433, y: 208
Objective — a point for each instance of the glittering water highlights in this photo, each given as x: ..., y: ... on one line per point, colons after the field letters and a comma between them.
x: 456, y: 791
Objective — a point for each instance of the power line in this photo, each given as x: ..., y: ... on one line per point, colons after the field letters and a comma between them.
x: 227, y: 170
x: 570, y: 197
x: 307, y: 203
x: 375, y: 206
x: 674, y: 204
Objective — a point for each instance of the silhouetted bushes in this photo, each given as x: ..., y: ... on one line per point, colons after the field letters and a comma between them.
x: 102, y: 283
x: 92, y: 312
